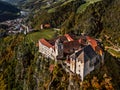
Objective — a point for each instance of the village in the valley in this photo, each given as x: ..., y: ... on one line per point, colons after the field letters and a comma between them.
x: 16, y: 26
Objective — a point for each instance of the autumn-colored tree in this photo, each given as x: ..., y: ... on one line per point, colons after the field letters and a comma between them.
x: 106, y: 82
x: 2, y: 83
x: 95, y: 83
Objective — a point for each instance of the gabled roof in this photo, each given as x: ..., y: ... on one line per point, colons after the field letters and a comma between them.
x: 94, y: 45
x: 46, y: 25
x: 86, y: 53
x: 45, y: 42
x: 92, y: 41
x: 69, y: 38
x: 88, y: 50
x: 71, y: 46
x: 99, y: 50
x: 65, y: 38
x: 61, y: 38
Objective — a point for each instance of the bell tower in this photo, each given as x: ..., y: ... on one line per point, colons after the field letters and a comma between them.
x: 59, y: 49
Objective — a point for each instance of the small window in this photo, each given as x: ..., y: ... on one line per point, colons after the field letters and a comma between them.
x: 79, y: 70
x: 79, y: 65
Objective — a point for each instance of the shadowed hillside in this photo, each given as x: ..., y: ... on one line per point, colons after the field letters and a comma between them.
x: 7, y: 11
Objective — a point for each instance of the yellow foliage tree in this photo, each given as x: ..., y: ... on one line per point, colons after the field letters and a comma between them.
x: 2, y: 83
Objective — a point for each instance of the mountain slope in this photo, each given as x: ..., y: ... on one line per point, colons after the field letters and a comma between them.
x: 7, y: 11
x: 77, y: 16
x: 23, y: 67
x: 14, y: 2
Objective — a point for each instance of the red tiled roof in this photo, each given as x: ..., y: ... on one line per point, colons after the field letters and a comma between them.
x: 99, y: 50
x: 92, y: 41
x: 47, y: 25
x: 69, y: 38
x: 65, y: 38
x: 44, y: 42
x: 82, y: 41
x: 62, y: 39
x: 94, y: 45
x: 70, y: 47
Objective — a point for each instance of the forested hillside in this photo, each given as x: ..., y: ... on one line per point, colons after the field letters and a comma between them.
x: 79, y: 16
x: 14, y: 2
x: 91, y: 17
x: 22, y: 67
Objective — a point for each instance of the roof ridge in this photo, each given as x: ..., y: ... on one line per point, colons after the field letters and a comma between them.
x: 45, y: 42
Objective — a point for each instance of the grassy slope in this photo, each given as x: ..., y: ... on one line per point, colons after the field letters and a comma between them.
x: 65, y: 3
x: 84, y: 6
x: 47, y: 34
x: 114, y: 53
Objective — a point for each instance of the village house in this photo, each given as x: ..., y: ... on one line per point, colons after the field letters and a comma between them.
x: 81, y: 55
x: 42, y: 26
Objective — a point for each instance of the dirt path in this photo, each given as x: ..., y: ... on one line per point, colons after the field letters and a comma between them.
x: 114, y: 47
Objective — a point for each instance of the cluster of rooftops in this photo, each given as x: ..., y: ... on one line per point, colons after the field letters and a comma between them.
x: 72, y: 44
x: 82, y: 54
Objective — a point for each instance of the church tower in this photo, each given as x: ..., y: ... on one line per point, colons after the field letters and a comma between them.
x: 59, y: 49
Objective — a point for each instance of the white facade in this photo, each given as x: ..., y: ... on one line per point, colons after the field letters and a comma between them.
x: 48, y: 52
x: 58, y: 49
x: 82, y: 65
x: 83, y: 61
